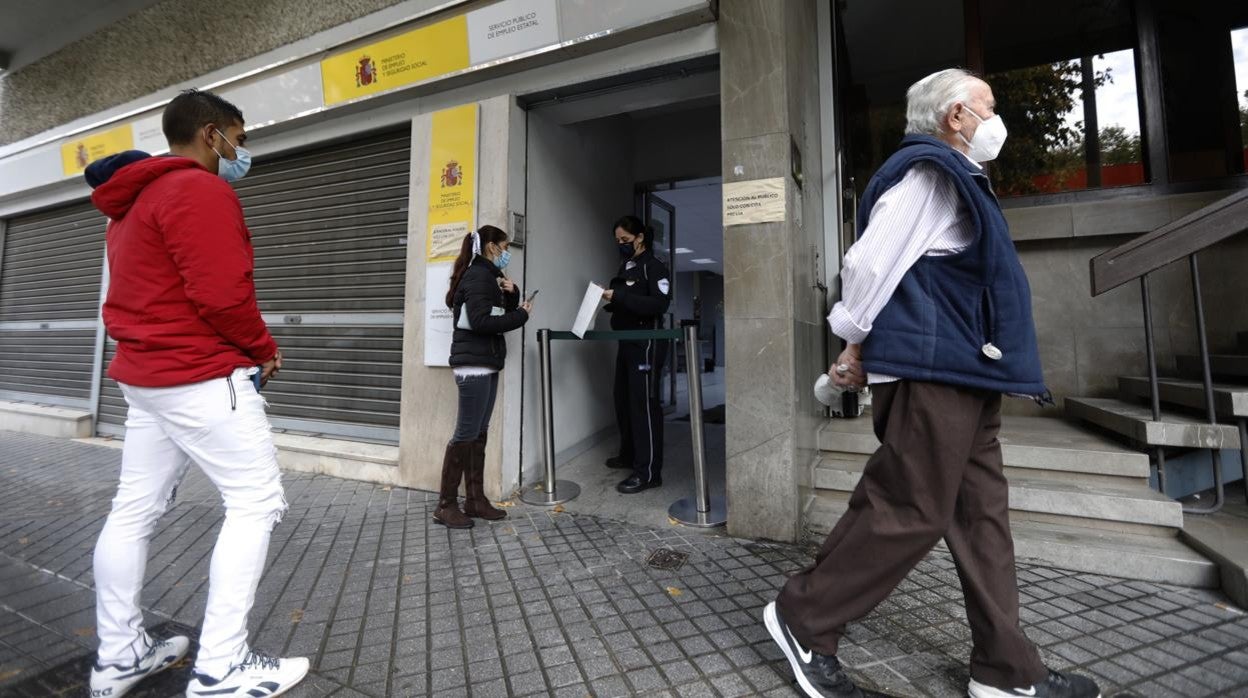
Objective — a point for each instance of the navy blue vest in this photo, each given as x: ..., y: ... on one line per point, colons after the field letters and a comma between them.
x: 962, y: 319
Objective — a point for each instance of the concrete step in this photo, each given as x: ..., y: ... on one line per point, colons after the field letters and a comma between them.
x: 1135, y: 422
x: 1233, y: 366
x: 352, y: 460
x: 1230, y: 401
x: 1129, y: 503
x: 1223, y: 538
x: 45, y: 420
x: 1162, y: 559
x: 1033, y: 443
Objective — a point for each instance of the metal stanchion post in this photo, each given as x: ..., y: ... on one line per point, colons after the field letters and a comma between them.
x: 701, y: 510
x: 550, y: 491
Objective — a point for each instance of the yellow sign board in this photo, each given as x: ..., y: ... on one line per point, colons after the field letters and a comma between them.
x: 80, y: 152
x: 452, y: 181
x: 415, y: 56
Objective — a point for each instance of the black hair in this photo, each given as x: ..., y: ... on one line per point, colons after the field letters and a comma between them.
x: 488, y: 234
x: 633, y: 226
x: 193, y: 110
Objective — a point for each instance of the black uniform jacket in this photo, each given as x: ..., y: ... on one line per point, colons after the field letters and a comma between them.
x: 642, y: 289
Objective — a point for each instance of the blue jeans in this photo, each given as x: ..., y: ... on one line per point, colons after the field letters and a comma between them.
x: 476, y: 404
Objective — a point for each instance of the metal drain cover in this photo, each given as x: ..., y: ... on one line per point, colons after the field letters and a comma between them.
x: 667, y: 559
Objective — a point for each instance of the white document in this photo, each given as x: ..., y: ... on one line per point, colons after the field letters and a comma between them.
x: 589, y: 308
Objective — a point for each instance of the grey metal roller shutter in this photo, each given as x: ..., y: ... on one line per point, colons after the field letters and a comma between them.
x: 50, y: 272
x: 329, y: 228
x: 110, y: 415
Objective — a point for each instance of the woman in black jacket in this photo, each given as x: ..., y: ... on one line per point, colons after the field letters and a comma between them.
x: 485, y: 304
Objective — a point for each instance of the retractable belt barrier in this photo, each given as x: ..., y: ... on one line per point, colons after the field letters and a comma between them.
x: 701, y: 509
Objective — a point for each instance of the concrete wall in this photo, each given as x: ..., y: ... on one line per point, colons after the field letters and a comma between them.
x: 429, y: 394
x: 773, y: 315
x: 576, y: 189
x: 1086, y: 342
x: 170, y: 42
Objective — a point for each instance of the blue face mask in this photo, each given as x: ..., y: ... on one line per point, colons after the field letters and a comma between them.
x: 236, y: 169
x: 503, y: 259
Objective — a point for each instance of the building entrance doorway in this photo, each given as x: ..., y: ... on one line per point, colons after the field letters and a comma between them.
x: 650, y: 149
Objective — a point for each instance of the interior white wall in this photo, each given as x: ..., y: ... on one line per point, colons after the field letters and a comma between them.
x: 579, y: 182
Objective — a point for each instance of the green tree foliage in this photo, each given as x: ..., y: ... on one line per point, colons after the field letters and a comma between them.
x: 1243, y: 121
x: 1034, y: 103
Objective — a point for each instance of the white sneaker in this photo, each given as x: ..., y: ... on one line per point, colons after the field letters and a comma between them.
x: 259, y: 676
x: 113, y: 681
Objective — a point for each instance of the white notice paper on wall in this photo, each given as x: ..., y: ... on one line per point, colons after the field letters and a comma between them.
x: 439, y: 321
x: 589, y: 308
x: 755, y: 201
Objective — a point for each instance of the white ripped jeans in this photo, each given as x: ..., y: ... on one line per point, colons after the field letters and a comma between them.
x: 221, y: 426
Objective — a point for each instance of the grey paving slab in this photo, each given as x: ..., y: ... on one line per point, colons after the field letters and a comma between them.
x: 543, y: 603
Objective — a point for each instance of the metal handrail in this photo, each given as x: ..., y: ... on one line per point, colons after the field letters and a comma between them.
x: 1170, y: 243
x: 1144, y: 255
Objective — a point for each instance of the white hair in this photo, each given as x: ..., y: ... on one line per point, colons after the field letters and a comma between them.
x: 928, y: 101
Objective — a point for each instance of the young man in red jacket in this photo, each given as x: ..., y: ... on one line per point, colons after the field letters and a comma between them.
x: 182, y: 307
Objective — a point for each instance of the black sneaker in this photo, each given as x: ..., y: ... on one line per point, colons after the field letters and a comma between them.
x: 1055, y: 686
x: 818, y: 675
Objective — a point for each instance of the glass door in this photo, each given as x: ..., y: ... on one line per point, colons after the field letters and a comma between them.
x: 660, y: 216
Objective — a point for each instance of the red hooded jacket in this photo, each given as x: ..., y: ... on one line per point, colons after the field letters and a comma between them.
x: 181, y: 299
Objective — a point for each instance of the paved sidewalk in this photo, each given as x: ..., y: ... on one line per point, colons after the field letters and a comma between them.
x: 542, y: 604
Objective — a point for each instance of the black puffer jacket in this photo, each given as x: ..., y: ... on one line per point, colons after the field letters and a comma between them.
x: 477, y: 295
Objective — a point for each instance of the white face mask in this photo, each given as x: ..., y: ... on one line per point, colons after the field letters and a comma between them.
x: 986, y: 144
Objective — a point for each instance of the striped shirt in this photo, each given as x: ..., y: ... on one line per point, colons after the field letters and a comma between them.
x: 920, y: 215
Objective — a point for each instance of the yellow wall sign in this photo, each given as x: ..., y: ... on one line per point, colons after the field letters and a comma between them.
x: 418, y: 55
x: 452, y: 181
x: 78, y: 153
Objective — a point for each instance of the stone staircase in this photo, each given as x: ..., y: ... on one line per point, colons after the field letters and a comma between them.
x: 1078, y: 500
x: 1181, y: 428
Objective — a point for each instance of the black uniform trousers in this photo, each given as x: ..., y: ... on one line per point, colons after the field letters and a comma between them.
x: 638, y: 410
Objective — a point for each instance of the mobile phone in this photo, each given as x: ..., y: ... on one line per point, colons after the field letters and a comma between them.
x: 256, y: 377
x: 531, y: 296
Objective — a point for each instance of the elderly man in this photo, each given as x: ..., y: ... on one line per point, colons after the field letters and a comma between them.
x: 937, y: 316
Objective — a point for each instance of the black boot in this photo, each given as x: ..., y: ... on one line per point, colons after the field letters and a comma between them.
x: 476, y: 504
x: 458, y: 457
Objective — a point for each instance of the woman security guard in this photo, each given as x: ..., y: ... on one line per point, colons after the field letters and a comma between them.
x: 637, y: 298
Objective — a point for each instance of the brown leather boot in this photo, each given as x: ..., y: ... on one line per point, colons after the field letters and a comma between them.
x: 458, y: 458
x: 476, y: 504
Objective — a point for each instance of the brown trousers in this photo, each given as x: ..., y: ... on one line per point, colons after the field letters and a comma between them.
x: 938, y: 473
